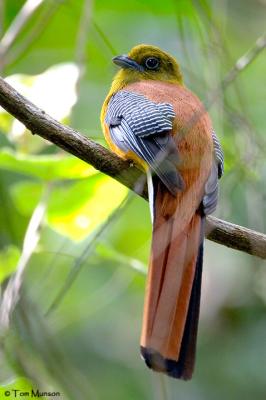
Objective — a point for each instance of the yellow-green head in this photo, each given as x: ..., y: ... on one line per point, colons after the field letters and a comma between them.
x: 143, y: 62
x: 146, y: 62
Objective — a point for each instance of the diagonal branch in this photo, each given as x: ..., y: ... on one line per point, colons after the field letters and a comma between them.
x: 39, y: 123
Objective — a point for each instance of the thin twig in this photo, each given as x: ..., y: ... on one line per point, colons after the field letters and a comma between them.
x: 82, y: 40
x: 163, y: 383
x: 31, y: 239
x: 105, y: 39
x: 29, y: 7
x: 245, y: 60
x: 35, y: 32
x: 241, y: 64
x: 79, y: 262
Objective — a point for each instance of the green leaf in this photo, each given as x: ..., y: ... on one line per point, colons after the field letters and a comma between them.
x: 46, y: 167
x: 8, y: 261
x: 76, y: 210
x: 25, y: 195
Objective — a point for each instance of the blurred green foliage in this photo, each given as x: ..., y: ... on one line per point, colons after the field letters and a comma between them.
x: 91, y: 258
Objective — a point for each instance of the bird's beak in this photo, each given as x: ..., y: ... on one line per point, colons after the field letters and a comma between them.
x: 126, y: 62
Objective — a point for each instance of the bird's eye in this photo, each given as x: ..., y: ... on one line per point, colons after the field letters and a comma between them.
x: 152, y: 63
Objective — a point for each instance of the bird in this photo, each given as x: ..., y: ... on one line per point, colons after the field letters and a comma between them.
x: 150, y: 118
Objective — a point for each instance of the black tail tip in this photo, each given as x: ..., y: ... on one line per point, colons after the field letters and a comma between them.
x: 172, y: 368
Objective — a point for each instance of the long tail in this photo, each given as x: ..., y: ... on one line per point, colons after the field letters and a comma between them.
x: 172, y: 300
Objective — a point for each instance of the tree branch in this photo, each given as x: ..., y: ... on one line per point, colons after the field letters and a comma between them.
x: 38, y: 122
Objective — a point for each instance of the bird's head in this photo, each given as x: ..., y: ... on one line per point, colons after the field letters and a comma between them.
x: 146, y: 62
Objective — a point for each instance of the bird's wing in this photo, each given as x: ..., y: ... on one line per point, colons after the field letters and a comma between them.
x: 218, y: 154
x: 210, y: 198
x: 142, y: 126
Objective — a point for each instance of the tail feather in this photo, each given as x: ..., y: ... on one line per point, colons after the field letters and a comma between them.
x: 172, y: 301
x: 169, y: 300
x: 184, y: 366
x: 155, y: 280
x: 183, y: 297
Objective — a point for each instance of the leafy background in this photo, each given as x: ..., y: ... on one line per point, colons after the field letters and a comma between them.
x: 76, y: 327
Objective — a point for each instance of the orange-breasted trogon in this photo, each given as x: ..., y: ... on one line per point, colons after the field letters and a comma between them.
x: 150, y: 117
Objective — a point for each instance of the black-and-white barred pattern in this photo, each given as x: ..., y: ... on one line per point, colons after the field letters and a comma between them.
x: 142, y: 126
x: 219, y: 155
x: 210, y: 198
x: 144, y: 117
